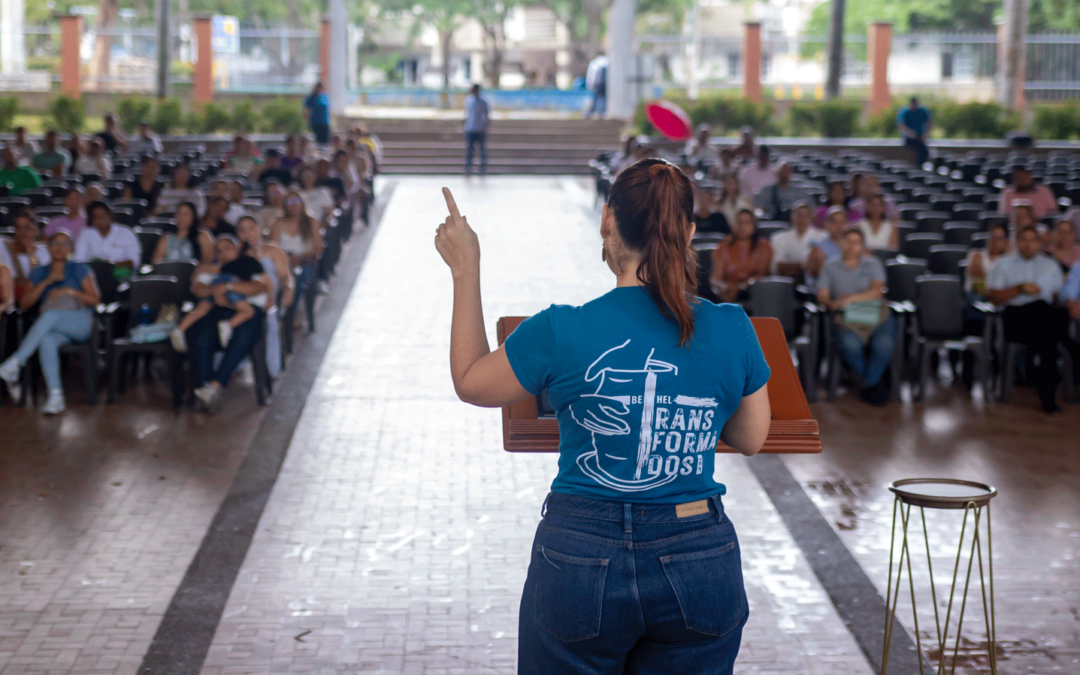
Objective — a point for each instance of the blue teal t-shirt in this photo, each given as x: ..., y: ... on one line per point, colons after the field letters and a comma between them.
x: 915, y: 119
x: 639, y: 416
x: 74, y: 273
x: 320, y: 109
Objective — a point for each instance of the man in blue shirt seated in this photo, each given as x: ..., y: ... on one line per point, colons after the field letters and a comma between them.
x: 1026, y: 283
x: 914, y: 122
x: 1070, y: 294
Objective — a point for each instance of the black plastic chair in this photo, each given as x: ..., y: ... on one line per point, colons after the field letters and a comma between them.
x: 136, y: 206
x: 940, y: 305
x: 775, y: 297
x: 834, y: 362
x: 182, y: 270
x: 50, y: 211
x: 988, y: 219
x: 884, y: 254
x: 932, y: 221
x: 960, y: 233
x: 148, y: 240
x: 704, y: 270
x: 40, y: 196
x: 917, y: 245
x: 946, y: 259
x: 154, y: 292
x: 86, y: 352
x: 911, y: 210
x: 767, y: 230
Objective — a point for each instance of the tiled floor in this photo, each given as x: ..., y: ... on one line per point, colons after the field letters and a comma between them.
x: 396, y: 537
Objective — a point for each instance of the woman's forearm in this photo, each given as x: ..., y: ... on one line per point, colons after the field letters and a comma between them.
x: 468, y: 339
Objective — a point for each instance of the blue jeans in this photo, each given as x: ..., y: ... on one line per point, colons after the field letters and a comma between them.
x: 599, y: 105
x: 203, y: 341
x: 853, y: 350
x: 53, y: 330
x: 618, y: 588
x: 473, y: 138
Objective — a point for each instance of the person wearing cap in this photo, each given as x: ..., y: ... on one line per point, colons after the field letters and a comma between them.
x: 792, y: 247
x: 759, y: 175
x: 745, y: 149
x: 777, y: 200
x: 1026, y: 285
x: 1023, y: 188
x: 145, y: 142
x: 105, y: 240
x: 697, y: 150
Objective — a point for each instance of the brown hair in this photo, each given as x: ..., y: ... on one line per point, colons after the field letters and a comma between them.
x: 653, y: 205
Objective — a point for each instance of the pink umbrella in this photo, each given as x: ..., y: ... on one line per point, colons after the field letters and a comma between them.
x: 670, y: 120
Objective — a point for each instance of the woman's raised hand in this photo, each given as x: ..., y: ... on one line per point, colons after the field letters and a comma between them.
x: 456, y: 241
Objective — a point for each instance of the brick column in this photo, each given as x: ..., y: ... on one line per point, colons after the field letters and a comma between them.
x: 752, y: 61
x: 203, y: 86
x: 324, y: 53
x: 879, y: 43
x: 70, y: 62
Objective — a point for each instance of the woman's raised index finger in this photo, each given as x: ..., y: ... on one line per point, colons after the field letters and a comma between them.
x: 451, y: 204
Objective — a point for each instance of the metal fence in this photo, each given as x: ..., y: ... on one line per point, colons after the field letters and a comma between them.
x: 281, y: 60
x: 963, y: 65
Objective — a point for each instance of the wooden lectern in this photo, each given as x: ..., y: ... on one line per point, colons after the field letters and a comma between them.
x: 793, y: 429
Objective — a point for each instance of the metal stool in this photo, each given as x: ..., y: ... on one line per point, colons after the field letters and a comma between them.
x: 941, y: 493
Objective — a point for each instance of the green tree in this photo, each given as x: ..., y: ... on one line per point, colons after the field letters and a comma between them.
x: 445, y: 16
x: 911, y: 15
x: 492, y: 16
x: 584, y: 21
x: 1062, y: 15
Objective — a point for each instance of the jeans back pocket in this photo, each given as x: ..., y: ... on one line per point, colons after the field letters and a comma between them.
x: 709, y: 586
x: 569, y: 593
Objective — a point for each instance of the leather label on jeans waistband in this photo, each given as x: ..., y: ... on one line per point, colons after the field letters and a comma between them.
x: 692, y: 508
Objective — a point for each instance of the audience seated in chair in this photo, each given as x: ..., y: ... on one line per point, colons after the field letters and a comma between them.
x: 17, y: 178
x: 1024, y: 189
x: 111, y: 138
x: 837, y: 197
x: 188, y: 242
x: 829, y: 247
x: 792, y: 247
x: 739, y: 259
x: 52, y: 160
x: 75, y: 220
x: 145, y: 186
x: 867, y: 188
x: 283, y: 285
x: 243, y: 310
x: 1064, y: 248
x: 24, y: 252
x: 317, y: 200
x: 94, y: 162
x: 274, y: 209
x: 731, y: 199
x: 777, y: 200
x: 299, y: 236
x: 851, y: 286
x: 879, y: 231
x: 65, y: 292
x: 204, y: 337
x: 213, y: 221
x: 179, y: 189
x: 106, y: 240
x: 145, y: 142
x: 981, y: 262
x: 757, y: 176
x: 1026, y: 284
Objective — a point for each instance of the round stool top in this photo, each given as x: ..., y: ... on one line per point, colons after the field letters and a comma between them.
x: 942, y: 493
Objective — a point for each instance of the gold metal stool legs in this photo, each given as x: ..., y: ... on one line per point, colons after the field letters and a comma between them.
x: 892, y: 595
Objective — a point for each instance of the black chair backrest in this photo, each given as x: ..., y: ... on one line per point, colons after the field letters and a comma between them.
x: 946, y: 259
x: 716, y: 222
x: 960, y: 233
x: 939, y: 301
x: 15, y: 204
x: 988, y: 219
x: 768, y: 230
x: 105, y: 275
x: 137, y: 207
x: 152, y: 291
x: 911, y: 211
x: 775, y: 297
x: 884, y: 254
x: 900, y: 276
x: 148, y: 240
x: 704, y: 270
x: 917, y: 245
x: 38, y: 196
x: 50, y: 211
x: 182, y: 270
x: 932, y: 221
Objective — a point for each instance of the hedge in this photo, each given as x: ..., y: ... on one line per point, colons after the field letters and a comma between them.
x: 9, y: 108
x: 1057, y: 121
x: 830, y: 119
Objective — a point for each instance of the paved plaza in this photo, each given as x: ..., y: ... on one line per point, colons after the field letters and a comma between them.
x: 396, y: 537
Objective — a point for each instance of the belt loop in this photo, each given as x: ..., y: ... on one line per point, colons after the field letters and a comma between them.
x: 719, y: 506
x: 543, y: 509
x: 627, y: 518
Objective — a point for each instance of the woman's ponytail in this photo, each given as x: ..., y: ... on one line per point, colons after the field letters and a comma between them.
x: 653, y: 204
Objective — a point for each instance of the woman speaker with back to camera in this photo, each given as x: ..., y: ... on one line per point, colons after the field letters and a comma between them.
x: 635, y: 568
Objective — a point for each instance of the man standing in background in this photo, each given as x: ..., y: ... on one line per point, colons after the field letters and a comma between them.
x: 596, y: 82
x: 476, y: 129
x: 914, y: 123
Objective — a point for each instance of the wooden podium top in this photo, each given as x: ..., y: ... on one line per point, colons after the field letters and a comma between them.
x: 793, y: 429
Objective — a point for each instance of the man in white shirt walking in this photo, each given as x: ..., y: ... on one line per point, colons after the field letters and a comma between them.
x: 476, y: 129
x: 104, y: 240
x: 596, y: 82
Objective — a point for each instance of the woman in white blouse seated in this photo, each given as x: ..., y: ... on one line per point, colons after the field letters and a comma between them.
x: 94, y: 161
x: 317, y: 200
x: 180, y: 189
x: 880, y: 231
x: 24, y: 252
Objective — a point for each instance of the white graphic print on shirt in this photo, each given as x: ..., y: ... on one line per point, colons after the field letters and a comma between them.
x: 672, y: 431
